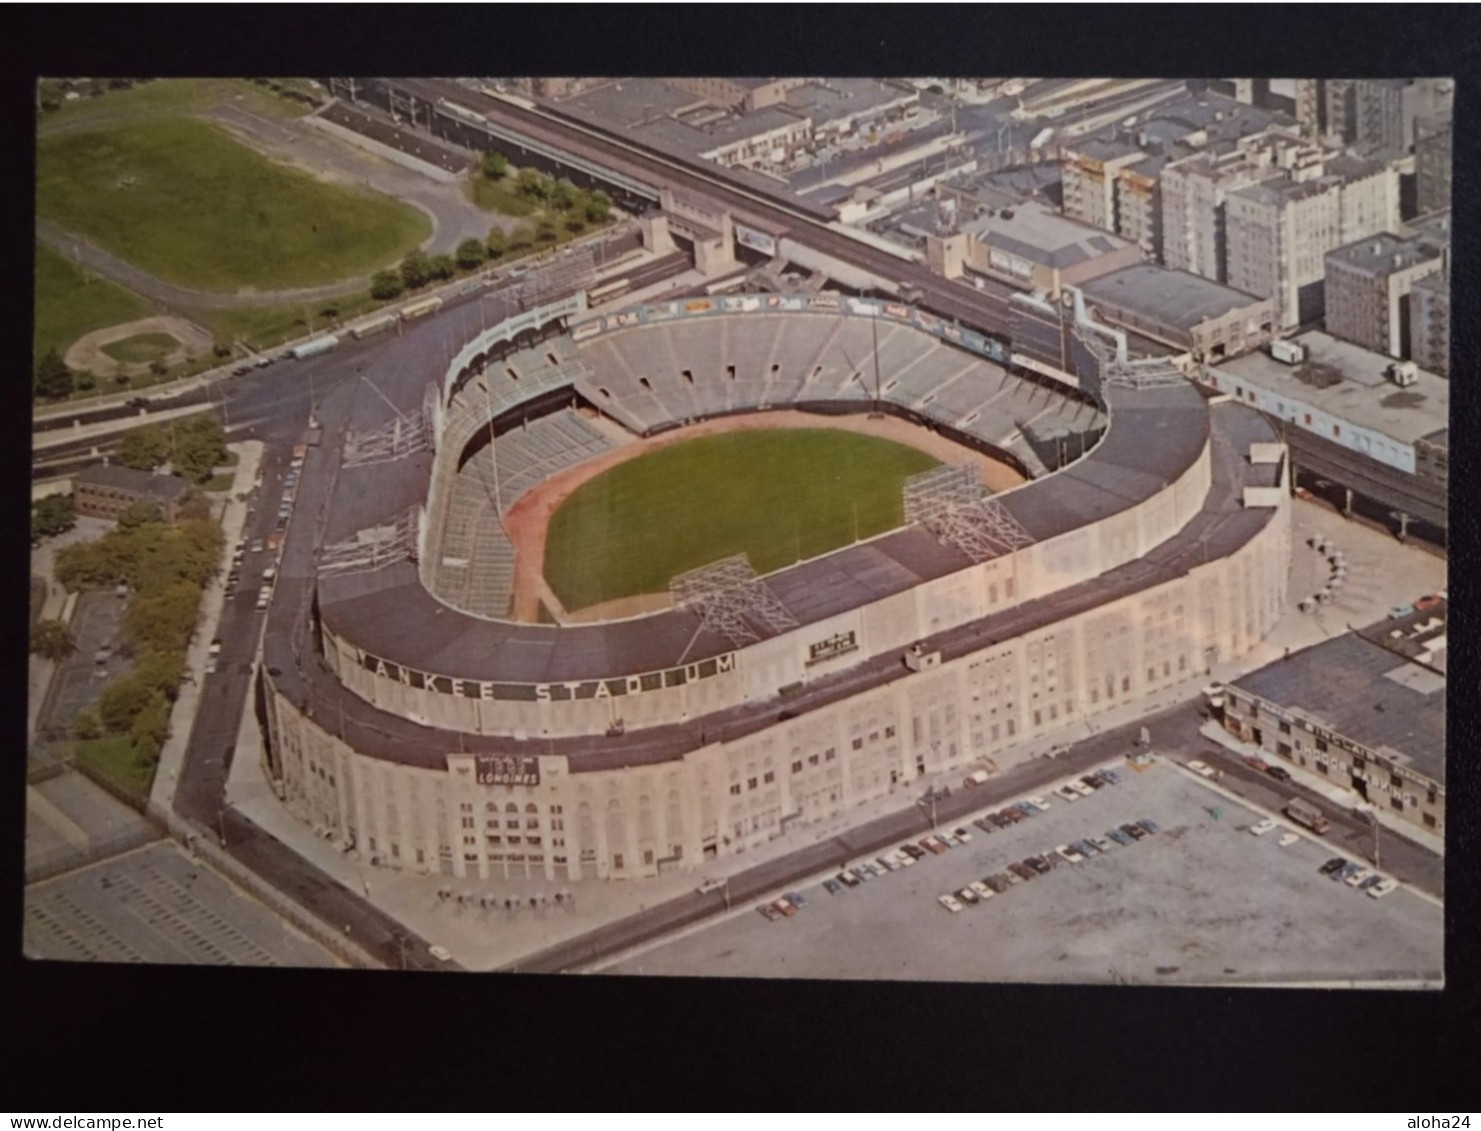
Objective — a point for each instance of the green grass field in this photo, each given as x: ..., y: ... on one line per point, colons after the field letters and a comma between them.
x: 71, y: 302
x: 779, y: 496
x: 183, y: 201
x: 115, y: 758
x: 167, y: 96
x: 141, y: 348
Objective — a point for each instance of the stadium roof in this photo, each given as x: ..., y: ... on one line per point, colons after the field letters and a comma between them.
x: 1361, y: 690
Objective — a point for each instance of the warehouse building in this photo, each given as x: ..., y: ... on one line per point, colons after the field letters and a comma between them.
x: 1188, y: 313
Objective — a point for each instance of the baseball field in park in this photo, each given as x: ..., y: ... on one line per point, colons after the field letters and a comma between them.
x: 778, y: 496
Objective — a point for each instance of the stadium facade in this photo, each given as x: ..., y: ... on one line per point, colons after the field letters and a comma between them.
x: 409, y: 715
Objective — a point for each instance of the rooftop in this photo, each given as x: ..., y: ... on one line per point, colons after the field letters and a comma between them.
x: 1365, y: 692
x: 127, y: 479
x: 1435, y: 226
x: 1041, y: 235
x: 1362, y: 394
x: 1174, y: 298
x: 1383, y: 254
x: 822, y: 100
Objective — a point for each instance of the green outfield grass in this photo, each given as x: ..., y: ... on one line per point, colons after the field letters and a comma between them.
x: 778, y: 496
x: 71, y: 302
x: 183, y: 201
x: 141, y: 348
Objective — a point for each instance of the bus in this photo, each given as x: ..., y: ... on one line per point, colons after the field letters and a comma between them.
x: 615, y: 289
x: 421, y: 309
x: 374, y: 326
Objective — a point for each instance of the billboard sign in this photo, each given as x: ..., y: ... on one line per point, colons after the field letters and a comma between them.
x: 507, y: 769
x: 585, y: 330
x: 835, y: 645
x: 756, y: 241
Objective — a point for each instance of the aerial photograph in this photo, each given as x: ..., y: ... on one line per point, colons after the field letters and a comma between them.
x: 923, y: 529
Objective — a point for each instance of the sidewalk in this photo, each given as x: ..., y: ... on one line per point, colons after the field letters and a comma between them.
x: 233, y: 517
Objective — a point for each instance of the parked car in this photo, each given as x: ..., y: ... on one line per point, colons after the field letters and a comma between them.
x: 1150, y: 825
x: 832, y: 887
x: 1259, y: 765
x: 770, y: 913
x: 888, y: 864
x: 862, y: 872
x: 1085, y: 848
x: 1100, y: 842
x: 999, y: 821
x: 1023, y: 872
x: 1202, y: 769
x: 1070, y: 853
x: 967, y: 895
x: 949, y: 840
x: 1039, y: 864
x: 983, y: 891
x: 933, y: 846
x: 975, y: 778
x: 949, y: 902
x: 1382, y: 888
x: 1287, y: 839
x: 984, y: 824
x: 914, y: 851
x: 1081, y: 788
x: 785, y: 907
x: 1260, y: 828
x: 1355, y: 879
x: 1279, y: 773
x: 1065, y: 793
x: 257, y: 545
x: 1111, y: 776
x: 1332, y: 865
x: 1093, y: 782
x: 1011, y: 876
x: 1039, y: 803
x: 1118, y: 836
x: 795, y: 899
x: 1371, y: 882
x: 1347, y: 869
x: 998, y: 881
x: 848, y: 879
x: 1136, y: 832
x: 961, y: 834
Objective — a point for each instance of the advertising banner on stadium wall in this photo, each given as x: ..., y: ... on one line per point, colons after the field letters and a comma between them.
x: 507, y: 769
x: 823, y: 302
x: 895, y: 311
x: 868, y: 309
x: 585, y: 330
x: 661, y: 312
x: 757, y: 241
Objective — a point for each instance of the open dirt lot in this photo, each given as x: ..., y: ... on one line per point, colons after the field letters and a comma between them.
x: 1203, y: 902
x: 529, y: 518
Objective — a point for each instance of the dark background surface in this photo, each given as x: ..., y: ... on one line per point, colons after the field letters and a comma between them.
x: 116, y: 1039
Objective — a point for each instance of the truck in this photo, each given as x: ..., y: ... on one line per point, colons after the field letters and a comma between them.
x: 374, y: 326
x: 1305, y: 813
x: 420, y: 309
x: 322, y: 344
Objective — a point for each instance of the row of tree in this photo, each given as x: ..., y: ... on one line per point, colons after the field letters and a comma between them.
x: 166, y: 568
x: 194, y: 446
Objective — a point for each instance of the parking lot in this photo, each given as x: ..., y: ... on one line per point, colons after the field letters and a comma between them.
x: 1200, y: 901
x: 79, y: 680
x: 157, y: 905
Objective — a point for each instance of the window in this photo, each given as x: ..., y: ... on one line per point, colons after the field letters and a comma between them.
x: 1321, y: 745
x: 1395, y: 781
x: 1429, y: 820
x: 829, y: 754
x: 1321, y: 767
x: 1432, y: 796
x: 467, y: 822
x: 797, y: 767
x: 750, y: 783
x: 768, y: 777
x: 1397, y: 803
x: 492, y: 839
x: 889, y: 732
x: 858, y: 744
x: 617, y: 860
x: 1285, y: 728
x: 735, y: 789
x: 1357, y: 765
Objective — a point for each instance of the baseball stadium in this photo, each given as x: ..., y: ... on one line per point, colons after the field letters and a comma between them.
x: 580, y: 594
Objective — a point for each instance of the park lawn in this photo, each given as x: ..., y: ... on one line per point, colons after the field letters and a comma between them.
x: 266, y: 326
x: 183, y: 201
x: 221, y: 481
x: 778, y: 496
x: 71, y: 302
x: 115, y: 758
x: 141, y: 348
x: 165, y: 97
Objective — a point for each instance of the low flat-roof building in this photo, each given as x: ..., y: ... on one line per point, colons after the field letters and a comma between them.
x: 106, y: 491
x: 1182, y: 310
x: 1364, y: 711
x: 1030, y: 246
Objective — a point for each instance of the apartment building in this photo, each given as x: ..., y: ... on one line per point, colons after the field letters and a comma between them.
x: 1367, y: 291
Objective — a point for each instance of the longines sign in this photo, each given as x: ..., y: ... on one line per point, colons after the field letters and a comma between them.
x: 508, y: 769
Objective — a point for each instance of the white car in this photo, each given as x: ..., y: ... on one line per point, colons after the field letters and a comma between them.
x: 1039, y: 803
x: 1287, y: 840
x: 1260, y: 828
x: 1081, y: 788
x: 949, y: 902
x: 962, y: 835
x: 1202, y: 769
x: 906, y: 860
x: 982, y: 890
x: 1069, y: 854
x: 1065, y: 793
x: 1100, y: 842
x: 1357, y: 878
x: 1382, y: 888
x: 441, y: 953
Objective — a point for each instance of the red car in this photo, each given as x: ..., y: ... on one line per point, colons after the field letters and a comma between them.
x: 1427, y: 602
x: 933, y: 846
x: 1259, y: 765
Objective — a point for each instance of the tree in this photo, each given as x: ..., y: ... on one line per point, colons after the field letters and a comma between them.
x: 220, y: 348
x: 144, y: 448
x: 161, y: 671
x: 470, y: 254
x: 162, y: 621
x: 199, y: 447
x: 442, y: 267
x: 123, y: 700
x: 193, y: 505
x: 55, y: 514
x: 494, y: 165
x: 137, y: 514
x: 545, y: 231
x: 386, y: 285
x: 597, y: 207
x: 563, y: 195
x: 53, y: 378
x: 51, y: 640
x: 532, y: 184
x: 86, y: 380
x: 151, y: 727
x: 575, y: 224
x: 496, y: 243
x: 522, y: 238
x: 416, y: 270
x: 158, y: 367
